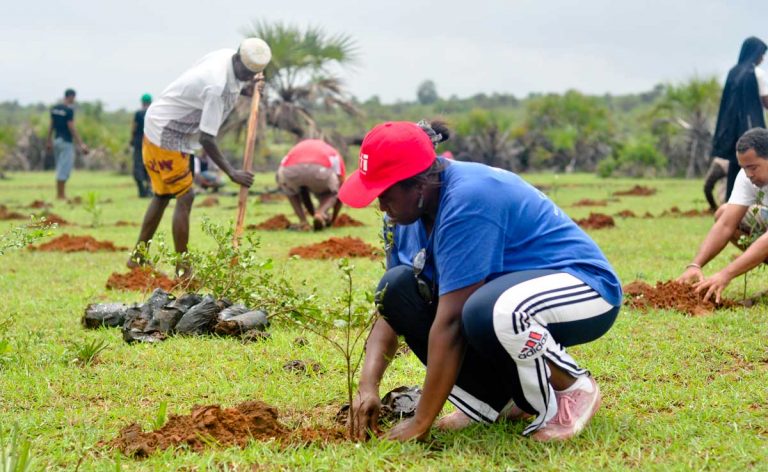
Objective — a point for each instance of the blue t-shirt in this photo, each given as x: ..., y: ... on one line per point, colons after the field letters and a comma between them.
x: 490, y: 222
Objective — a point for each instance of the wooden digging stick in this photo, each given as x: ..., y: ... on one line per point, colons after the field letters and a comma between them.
x: 250, y: 143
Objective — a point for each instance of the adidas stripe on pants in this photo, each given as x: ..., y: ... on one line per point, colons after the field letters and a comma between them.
x: 513, y: 325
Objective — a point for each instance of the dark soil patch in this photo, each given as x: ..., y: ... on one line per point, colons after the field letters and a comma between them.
x: 670, y: 295
x: 272, y: 197
x: 213, y: 425
x: 596, y: 221
x: 276, y: 223
x: 38, y: 204
x: 648, y: 215
x: 303, y: 367
x: 76, y: 200
x: 5, y: 214
x: 209, y: 202
x: 334, y: 248
x: 637, y: 190
x: 125, y: 223
x: 626, y: 214
x: 140, y: 279
x: 587, y: 202
x: 344, y: 220
x: 69, y: 243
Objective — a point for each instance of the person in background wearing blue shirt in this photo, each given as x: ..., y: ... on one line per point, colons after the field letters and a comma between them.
x: 63, y: 126
x: 488, y: 281
x: 137, y: 135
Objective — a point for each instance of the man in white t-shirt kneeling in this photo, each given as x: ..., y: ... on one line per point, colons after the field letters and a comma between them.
x: 750, y: 195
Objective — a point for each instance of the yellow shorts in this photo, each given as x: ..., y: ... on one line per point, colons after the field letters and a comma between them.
x: 168, y: 170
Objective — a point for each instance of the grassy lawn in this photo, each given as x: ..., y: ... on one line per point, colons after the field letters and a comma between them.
x: 679, y: 393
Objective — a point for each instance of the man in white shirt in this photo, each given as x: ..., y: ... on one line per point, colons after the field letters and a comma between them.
x: 186, y: 117
x: 750, y: 191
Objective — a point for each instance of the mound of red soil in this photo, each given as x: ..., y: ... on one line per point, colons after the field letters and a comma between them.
x: 637, y: 190
x: 51, y: 218
x: 675, y: 211
x: 670, y: 295
x: 626, y: 214
x: 210, y: 201
x: 205, y: 425
x: 39, y: 204
x: 69, y: 243
x: 334, y: 248
x: 10, y: 215
x: 140, y: 279
x: 275, y: 223
x: 586, y: 202
x: 344, y: 220
x: 596, y: 221
x: 125, y: 223
x: 212, y: 424
x: 271, y: 197
x: 648, y: 215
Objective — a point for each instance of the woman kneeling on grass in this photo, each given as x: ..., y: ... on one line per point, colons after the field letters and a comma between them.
x: 487, y: 279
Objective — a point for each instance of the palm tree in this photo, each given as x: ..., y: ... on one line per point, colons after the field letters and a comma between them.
x: 300, y: 77
x: 688, y: 110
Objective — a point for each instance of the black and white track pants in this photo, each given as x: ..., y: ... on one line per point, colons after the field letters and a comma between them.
x: 513, y: 325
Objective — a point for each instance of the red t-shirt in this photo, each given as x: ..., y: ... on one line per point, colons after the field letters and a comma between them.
x: 315, y: 151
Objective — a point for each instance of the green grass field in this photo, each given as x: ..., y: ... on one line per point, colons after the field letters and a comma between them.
x: 679, y: 393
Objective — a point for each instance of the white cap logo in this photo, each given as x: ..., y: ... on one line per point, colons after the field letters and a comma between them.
x: 363, y: 163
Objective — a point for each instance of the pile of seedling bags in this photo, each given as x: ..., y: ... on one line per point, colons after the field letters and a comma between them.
x: 191, y: 314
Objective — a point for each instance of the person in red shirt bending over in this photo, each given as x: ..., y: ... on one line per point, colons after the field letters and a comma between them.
x: 315, y: 167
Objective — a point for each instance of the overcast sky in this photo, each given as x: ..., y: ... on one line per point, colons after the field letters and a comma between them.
x: 116, y: 51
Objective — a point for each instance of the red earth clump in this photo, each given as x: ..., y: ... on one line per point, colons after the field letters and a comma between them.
x: 675, y: 211
x: 344, y: 220
x: 271, y: 197
x: 585, y: 202
x: 51, y: 218
x: 125, y: 223
x: 205, y: 425
x: 140, y: 279
x: 637, y: 190
x: 596, y: 221
x: 209, y: 201
x: 334, y: 248
x: 69, y: 243
x: 10, y: 215
x: 275, y: 223
x: 648, y: 215
x: 670, y: 295
x: 214, y: 425
x: 626, y: 214
x: 39, y: 204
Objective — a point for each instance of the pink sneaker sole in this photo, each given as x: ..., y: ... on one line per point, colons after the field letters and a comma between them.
x: 556, y: 432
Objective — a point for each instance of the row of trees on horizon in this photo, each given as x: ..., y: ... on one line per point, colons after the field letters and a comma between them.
x: 666, y: 131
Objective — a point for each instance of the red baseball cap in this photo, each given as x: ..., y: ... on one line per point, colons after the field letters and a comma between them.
x: 390, y: 152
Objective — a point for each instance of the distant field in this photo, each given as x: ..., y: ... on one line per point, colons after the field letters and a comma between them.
x: 678, y: 392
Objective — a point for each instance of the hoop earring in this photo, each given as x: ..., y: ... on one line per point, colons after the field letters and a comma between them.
x: 420, y: 205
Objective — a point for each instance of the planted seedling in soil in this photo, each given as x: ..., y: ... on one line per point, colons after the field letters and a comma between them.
x: 93, y: 208
x: 354, y: 318
x: 161, y: 416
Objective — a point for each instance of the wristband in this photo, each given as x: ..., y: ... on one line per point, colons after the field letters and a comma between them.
x: 693, y: 264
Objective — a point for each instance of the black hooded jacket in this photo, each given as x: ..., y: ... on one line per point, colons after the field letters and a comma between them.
x: 740, y: 105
